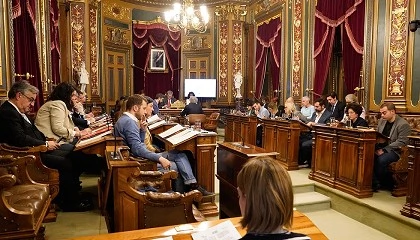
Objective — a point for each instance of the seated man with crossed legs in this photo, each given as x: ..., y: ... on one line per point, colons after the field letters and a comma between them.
x: 128, y: 128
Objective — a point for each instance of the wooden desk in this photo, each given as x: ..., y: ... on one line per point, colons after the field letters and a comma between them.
x: 412, y: 206
x: 241, y: 126
x: 98, y: 145
x: 202, y: 147
x: 301, y: 224
x: 176, y: 112
x: 230, y: 159
x: 342, y: 158
x: 162, y: 128
x: 282, y: 136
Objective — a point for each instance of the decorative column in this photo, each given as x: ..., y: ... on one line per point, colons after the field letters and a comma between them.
x: 93, y: 37
x: 230, y: 24
x: 44, y: 45
x: 297, y: 53
x: 77, y: 35
x: 397, y: 56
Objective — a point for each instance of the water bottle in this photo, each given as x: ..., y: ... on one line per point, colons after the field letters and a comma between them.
x: 198, y: 125
x: 348, y: 123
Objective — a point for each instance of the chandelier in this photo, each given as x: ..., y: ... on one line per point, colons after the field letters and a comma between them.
x: 186, y: 17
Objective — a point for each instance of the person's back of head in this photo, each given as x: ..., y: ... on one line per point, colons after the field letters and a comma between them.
x: 351, y: 98
x: 268, y: 195
x: 193, y: 99
x: 63, y: 92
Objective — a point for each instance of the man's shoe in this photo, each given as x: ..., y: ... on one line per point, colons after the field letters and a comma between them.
x: 205, y: 192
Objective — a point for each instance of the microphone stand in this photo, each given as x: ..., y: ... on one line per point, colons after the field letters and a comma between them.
x: 114, y: 154
x: 242, y: 143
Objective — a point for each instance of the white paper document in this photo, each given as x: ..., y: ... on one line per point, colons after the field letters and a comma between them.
x: 182, y: 136
x: 222, y: 231
x: 156, y: 124
x: 153, y: 119
x: 164, y: 238
x: 170, y: 131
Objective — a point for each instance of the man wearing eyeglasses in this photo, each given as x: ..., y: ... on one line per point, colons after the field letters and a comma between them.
x: 17, y: 130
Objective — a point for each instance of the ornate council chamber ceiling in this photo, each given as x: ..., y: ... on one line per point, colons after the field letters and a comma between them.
x: 198, y: 2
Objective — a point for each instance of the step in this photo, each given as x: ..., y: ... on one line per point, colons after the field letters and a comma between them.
x: 311, y: 201
x: 303, y: 188
x: 338, y: 226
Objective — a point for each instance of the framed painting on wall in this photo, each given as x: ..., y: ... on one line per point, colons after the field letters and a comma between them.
x: 157, y: 59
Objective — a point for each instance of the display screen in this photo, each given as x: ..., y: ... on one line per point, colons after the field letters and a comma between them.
x: 202, y: 88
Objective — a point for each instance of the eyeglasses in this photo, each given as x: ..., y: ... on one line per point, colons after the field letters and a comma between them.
x: 30, y: 99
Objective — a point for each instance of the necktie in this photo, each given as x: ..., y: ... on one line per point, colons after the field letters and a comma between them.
x: 26, y: 118
x: 169, y: 102
x: 333, y: 108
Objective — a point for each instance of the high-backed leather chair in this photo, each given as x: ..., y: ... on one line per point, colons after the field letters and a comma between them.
x: 211, y: 123
x: 37, y: 171
x: 194, y: 117
x: 141, y: 200
x: 399, y: 172
x: 23, y: 202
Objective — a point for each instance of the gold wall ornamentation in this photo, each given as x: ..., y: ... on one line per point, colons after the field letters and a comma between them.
x: 117, y: 36
x: 116, y: 11
x: 77, y: 34
x: 195, y: 43
x: 397, y: 48
x: 93, y: 28
x: 237, y: 11
x: 265, y: 6
x: 223, y: 59
x: 237, y: 41
x: 297, y: 48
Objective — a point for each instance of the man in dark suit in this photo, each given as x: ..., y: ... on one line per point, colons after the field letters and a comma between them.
x: 335, y: 107
x: 193, y: 107
x: 168, y: 100
x: 156, y: 102
x: 397, y: 129
x: 320, y: 116
x: 17, y: 130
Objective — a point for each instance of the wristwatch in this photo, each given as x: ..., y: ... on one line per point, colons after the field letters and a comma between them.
x: 46, y: 144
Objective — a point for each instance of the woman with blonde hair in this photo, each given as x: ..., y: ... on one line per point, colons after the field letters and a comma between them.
x: 266, y: 200
x: 292, y: 113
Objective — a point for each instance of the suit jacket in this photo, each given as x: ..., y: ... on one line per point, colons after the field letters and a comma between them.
x: 398, y: 134
x: 16, y: 131
x: 155, y: 107
x: 360, y: 122
x: 165, y: 101
x: 338, y: 112
x: 325, y: 117
x: 54, y: 120
x: 192, y: 108
x: 79, y: 120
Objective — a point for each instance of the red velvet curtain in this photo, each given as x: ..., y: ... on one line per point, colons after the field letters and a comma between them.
x: 145, y: 37
x: 330, y: 14
x: 55, y: 42
x: 25, y: 46
x: 268, y: 36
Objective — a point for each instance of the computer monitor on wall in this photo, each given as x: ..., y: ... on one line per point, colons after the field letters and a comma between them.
x: 202, y: 88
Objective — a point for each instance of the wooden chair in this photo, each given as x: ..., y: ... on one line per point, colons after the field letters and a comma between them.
x: 37, y: 171
x: 135, y: 209
x: 399, y: 171
x: 194, y: 117
x: 211, y: 122
x: 23, y: 203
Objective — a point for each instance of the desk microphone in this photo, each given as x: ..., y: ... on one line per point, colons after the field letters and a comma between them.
x: 242, y: 143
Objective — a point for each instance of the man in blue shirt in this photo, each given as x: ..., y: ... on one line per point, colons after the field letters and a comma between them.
x: 128, y: 128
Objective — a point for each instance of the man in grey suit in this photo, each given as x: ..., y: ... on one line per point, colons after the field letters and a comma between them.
x: 397, y: 129
x: 320, y: 116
